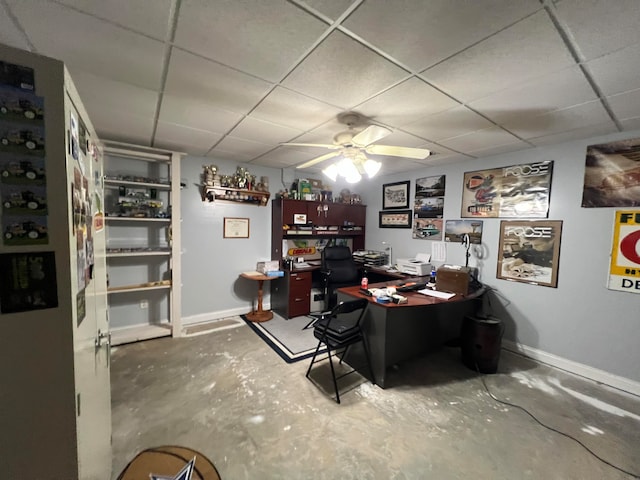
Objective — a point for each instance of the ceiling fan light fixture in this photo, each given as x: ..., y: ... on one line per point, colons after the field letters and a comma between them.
x: 331, y: 171
x: 371, y: 167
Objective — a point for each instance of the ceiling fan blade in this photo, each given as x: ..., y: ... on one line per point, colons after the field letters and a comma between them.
x: 321, y: 145
x: 398, y: 151
x: 319, y: 159
x: 371, y: 134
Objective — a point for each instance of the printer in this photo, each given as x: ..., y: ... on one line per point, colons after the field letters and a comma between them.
x: 418, y: 266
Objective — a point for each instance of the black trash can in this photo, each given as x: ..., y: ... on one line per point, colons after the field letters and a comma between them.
x: 481, y: 340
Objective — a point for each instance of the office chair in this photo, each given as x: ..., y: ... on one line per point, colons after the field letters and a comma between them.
x: 338, y: 331
x: 338, y: 270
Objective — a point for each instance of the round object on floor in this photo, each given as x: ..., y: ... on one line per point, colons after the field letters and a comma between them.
x: 167, y: 461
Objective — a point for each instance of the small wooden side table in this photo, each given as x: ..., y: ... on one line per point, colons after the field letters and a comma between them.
x: 259, y: 315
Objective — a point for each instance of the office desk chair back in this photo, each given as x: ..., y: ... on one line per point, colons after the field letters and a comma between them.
x: 338, y: 330
x: 339, y: 270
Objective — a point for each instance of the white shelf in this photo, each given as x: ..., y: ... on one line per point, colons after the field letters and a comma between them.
x: 136, y: 334
x: 138, y: 253
x: 130, y: 183
x: 137, y: 219
x: 127, y: 289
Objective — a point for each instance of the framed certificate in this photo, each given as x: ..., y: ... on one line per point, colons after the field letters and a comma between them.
x: 236, y: 227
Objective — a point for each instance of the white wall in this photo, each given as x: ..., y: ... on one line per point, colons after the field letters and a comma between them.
x: 580, y: 325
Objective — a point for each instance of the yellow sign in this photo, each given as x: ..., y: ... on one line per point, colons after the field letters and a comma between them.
x: 624, y: 272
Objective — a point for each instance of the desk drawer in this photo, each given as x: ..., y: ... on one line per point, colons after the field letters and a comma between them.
x: 299, y: 293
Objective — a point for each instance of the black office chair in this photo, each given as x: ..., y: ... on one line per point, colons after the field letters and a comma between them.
x: 338, y: 331
x: 338, y: 270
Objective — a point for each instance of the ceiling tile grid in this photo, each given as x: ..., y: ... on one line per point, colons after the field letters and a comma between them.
x: 235, y: 78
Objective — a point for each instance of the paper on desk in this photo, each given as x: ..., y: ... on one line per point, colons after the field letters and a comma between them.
x: 436, y: 293
x: 253, y: 273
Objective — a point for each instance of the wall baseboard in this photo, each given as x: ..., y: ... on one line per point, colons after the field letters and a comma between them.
x: 600, y: 376
x: 218, y: 315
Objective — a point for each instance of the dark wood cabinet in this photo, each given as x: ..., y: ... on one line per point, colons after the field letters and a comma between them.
x: 291, y: 294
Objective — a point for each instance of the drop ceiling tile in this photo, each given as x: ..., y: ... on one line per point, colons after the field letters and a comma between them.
x: 439, y: 160
x: 618, y: 71
x: 134, y: 14
x: 119, y: 124
x: 343, y: 72
x: 605, y: 128
x: 194, y: 77
x: 403, y: 139
x: 265, y: 132
x: 184, y: 139
x: 248, y: 148
x: 625, y: 105
x: 197, y: 114
x: 391, y: 165
x: 420, y: 33
x: 529, y: 49
x: 631, y: 124
x: 481, y: 140
x: 564, y: 120
x: 450, y: 123
x: 331, y: 8
x: 262, y: 38
x: 551, y: 92
x: 283, y: 158
x: 289, y: 108
x: 114, y: 95
x: 406, y: 103
x: 601, y: 26
x: 85, y: 43
x: 9, y: 34
x: 499, y: 149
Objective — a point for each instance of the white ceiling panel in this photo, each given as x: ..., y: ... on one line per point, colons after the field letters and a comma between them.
x: 618, y: 71
x: 248, y: 148
x: 420, y: 34
x: 258, y: 37
x: 197, y: 114
x: 265, y: 132
x: 86, y: 43
x: 625, y: 105
x: 566, y: 119
x: 577, y: 134
x: 330, y: 8
x: 200, y: 79
x: 481, y: 140
x: 551, y: 92
x: 9, y: 32
x: 292, y: 109
x: 178, y: 137
x: 343, y: 72
x: 405, y: 103
x: 133, y: 14
x: 448, y: 124
x: 601, y: 26
x: 528, y: 49
x: 241, y: 76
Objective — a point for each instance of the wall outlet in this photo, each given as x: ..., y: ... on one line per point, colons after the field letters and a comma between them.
x: 144, y: 304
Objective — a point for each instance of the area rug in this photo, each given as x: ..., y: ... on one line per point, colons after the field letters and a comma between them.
x: 287, y: 337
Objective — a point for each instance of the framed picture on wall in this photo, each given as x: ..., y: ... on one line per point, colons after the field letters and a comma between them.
x: 529, y: 251
x: 396, y: 219
x: 395, y: 195
x: 516, y: 191
x: 236, y: 227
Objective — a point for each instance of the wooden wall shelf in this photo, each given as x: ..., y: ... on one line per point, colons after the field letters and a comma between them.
x: 234, y: 195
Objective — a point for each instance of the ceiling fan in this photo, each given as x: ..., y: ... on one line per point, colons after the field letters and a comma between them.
x: 353, y: 145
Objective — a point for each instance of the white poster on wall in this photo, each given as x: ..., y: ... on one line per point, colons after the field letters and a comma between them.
x: 624, y: 271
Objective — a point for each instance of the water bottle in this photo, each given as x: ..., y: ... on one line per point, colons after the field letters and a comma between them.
x: 433, y: 275
x: 364, y: 283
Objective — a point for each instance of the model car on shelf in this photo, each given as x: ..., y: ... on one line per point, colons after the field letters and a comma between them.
x: 25, y: 229
x: 25, y: 199
x: 24, y: 169
x: 26, y: 138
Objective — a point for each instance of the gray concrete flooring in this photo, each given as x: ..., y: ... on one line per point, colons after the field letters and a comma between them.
x: 229, y: 396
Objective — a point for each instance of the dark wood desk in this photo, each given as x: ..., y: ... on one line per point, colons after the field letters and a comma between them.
x: 400, y: 332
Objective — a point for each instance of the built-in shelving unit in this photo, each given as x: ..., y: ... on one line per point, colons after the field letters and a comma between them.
x: 142, y: 190
x: 235, y: 195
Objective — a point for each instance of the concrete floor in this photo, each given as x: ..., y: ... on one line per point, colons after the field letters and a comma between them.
x: 229, y: 396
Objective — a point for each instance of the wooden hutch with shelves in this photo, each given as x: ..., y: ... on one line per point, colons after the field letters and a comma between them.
x: 302, y: 219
